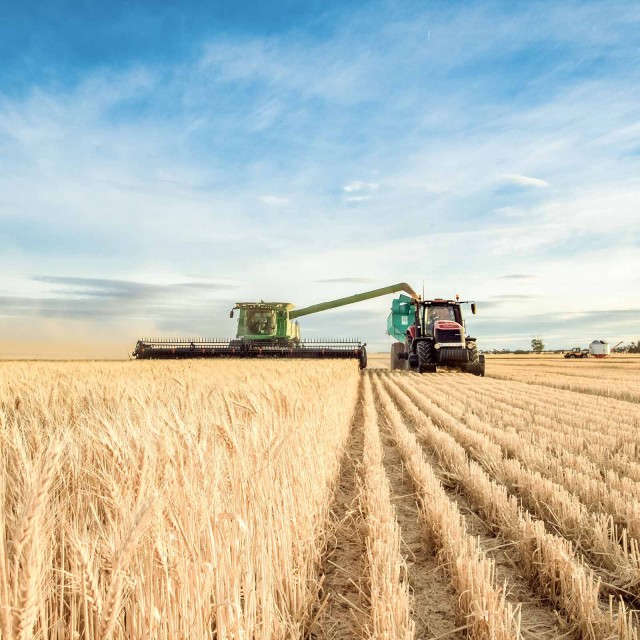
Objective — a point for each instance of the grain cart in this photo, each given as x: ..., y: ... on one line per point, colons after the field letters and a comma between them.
x: 431, y: 334
x: 269, y: 330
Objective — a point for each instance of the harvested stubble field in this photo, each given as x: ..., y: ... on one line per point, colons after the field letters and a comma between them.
x: 302, y: 500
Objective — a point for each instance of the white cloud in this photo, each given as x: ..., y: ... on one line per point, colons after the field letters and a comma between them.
x: 430, y: 187
x: 340, y: 67
x: 526, y: 181
x: 276, y: 201
x: 359, y: 185
x: 357, y: 198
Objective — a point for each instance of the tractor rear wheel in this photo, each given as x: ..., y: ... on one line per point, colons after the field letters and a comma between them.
x: 395, y: 362
x: 425, y: 357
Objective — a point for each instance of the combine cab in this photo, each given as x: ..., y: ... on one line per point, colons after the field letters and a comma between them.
x: 431, y: 334
x: 268, y: 330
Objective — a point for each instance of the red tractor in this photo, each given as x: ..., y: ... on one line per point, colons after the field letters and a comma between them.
x: 433, y: 335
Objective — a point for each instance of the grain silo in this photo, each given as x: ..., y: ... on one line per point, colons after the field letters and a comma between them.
x: 599, y: 349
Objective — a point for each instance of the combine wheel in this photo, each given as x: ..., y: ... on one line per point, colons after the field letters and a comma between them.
x: 425, y: 356
x: 363, y: 358
x: 396, y: 363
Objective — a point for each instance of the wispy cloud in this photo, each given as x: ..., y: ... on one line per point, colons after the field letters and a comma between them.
x: 347, y: 280
x: 358, y: 185
x: 620, y: 324
x: 276, y: 201
x: 515, y: 297
x: 118, y: 310
x: 526, y: 181
x: 120, y: 289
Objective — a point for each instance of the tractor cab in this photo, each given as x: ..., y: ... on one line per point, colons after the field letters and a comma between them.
x: 441, y: 320
x: 439, y: 313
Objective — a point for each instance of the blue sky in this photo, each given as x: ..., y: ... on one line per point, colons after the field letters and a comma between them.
x: 159, y: 163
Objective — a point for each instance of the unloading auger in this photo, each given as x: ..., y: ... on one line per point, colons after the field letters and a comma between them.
x: 269, y: 330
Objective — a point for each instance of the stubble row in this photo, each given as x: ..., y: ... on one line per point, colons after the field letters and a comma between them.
x: 547, y: 560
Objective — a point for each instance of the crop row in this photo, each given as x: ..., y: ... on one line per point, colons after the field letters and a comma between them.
x: 606, y: 431
x: 388, y: 588
x: 548, y: 560
x: 606, y: 546
x: 583, y: 377
x: 551, y: 447
x: 489, y: 616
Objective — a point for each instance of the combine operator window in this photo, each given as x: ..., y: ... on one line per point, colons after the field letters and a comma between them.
x: 260, y: 322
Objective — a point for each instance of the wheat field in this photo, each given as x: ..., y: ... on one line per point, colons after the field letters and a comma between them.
x: 310, y: 501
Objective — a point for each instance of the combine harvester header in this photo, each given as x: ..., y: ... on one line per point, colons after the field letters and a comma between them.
x: 269, y: 330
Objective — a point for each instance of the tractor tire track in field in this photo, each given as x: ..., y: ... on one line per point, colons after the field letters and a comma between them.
x: 343, y: 605
x: 539, y: 619
x: 434, y: 607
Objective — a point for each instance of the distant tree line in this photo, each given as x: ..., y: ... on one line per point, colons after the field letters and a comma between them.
x: 504, y: 351
x: 537, y: 346
x: 632, y: 347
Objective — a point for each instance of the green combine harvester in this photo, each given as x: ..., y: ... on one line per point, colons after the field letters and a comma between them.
x: 269, y: 330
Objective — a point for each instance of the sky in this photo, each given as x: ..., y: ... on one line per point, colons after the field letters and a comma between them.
x: 161, y: 161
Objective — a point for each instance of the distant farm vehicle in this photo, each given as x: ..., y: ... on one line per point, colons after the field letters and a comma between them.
x: 431, y: 334
x: 577, y: 352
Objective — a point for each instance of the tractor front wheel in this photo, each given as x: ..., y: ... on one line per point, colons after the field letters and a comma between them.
x: 476, y: 362
x: 425, y: 357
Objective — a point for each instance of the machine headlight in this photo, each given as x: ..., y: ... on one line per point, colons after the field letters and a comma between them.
x: 436, y: 345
